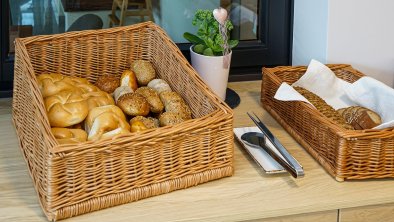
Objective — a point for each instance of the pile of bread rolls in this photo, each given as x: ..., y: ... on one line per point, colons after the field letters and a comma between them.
x: 79, y: 111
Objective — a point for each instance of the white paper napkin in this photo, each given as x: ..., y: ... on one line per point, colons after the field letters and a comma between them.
x: 376, y: 96
x: 366, y: 92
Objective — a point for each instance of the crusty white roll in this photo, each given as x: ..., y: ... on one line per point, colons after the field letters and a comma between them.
x: 121, y: 90
x: 128, y: 79
x: 66, y: 135
x: 98, y: 98
x: 155, y: 104
x: 106, y: 122
x: 108, y: 83
x: 159, y: 85
x: 51, y: 84
x: 144, y: 71
x: 66, y: 108
x: 133, y: 104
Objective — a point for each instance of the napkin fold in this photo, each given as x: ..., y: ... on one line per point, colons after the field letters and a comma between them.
x: 322, y: 81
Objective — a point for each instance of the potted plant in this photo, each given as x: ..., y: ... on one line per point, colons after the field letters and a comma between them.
x: 211, y: 49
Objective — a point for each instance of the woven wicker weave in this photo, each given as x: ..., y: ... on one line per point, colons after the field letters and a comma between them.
x: 345, y: 154
x: 75, y: 179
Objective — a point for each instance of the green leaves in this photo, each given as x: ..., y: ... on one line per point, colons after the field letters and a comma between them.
x: 208, y: 40
x: 192, y: 38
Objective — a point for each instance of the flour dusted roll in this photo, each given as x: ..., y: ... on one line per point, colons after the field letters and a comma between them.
x: 133, y: 104
x: 128, y: 79
x: 66, y: 108
x: 66, y: 135
x: 106, y: 122
x: 144, y: 71
x: 159, y: 85
x: 155, y: 104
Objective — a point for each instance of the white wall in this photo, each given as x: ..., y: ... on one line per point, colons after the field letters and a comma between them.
x: 356, y: 32
x: 310, y: 31
x: 361, y: 33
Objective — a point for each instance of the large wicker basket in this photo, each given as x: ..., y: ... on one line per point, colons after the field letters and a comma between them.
x: 75, y: 179
x: 345, y: 154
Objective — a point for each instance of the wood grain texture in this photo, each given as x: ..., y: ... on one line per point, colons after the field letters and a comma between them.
x: 376, y: 213
x: 248, y: 195
x: 326, y: 216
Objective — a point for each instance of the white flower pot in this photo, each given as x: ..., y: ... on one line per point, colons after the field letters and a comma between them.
x: 212, y: 71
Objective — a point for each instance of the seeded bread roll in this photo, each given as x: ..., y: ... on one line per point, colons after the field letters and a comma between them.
x: 170, y: 119
x: 174, y: 103
x: 133, y: 104
x: 360, y: 117
x: 149, y: 122
x: 108, y: 83
x: 159, y: 85
x: 120, y: 91
x: 155, y: 104
x: 168, y: 96
x: 179, y: 107
x: 324, y: 108
x: 144, y: 71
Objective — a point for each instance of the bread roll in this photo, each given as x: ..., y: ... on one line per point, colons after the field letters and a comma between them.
x: 168, y: 96
x: 155, y: 104
x: 98, y: 98
x: 149, y: 122
x: 137, y: 126
x: 107, y: 83
x: 179, y: 107
x: 66, y: 108
x: 144, y: 71
x: 105, y: 122
x: 170, y: 119
x: 174, y: 103
x: 360, y: 117
x: 121, y: 90
x: 324, y: 108
x: 128, y: 79
x: 133, y: 104
x: 65, y: 135
x: 159, y: 85
x: 51, y: 84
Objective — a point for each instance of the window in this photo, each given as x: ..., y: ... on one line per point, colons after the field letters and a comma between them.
x: 263, y: 26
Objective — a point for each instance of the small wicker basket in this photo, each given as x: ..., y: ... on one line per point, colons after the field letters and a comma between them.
x: 75, y: 179
x: 345, y: 154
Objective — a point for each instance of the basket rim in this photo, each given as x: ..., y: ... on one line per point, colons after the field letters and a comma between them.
x: 344, y: 133
x: 221, y: 108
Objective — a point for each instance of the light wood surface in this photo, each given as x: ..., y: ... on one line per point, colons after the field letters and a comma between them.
x: 326, y: 216
x: 376, y: 213
x: 248, y: 195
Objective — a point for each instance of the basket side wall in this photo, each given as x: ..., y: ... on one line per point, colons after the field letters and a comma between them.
x: 98, y: 175
x: 344, y: 154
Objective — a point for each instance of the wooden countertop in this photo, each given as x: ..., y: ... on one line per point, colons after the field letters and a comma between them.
x: 249, y: 194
